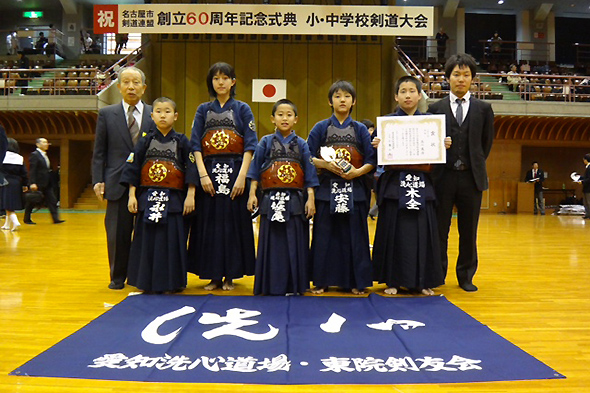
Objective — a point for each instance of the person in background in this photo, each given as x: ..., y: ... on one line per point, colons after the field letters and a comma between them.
x: 374, y: 210
x: 441, y: 44
x: 12, y: 44
x: 3, y: 150
x: 40, y: 179
x: 513, y: 79
x: 41, y: 42
x: 11, y: 195
x: 23, y: 63
x: 495, y: 45
x: 585, y: 181
x: 537, y: 176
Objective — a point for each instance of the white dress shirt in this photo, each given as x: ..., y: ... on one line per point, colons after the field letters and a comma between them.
x: 465, y: 104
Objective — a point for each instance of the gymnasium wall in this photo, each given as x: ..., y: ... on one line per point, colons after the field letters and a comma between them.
x: 178, y: 69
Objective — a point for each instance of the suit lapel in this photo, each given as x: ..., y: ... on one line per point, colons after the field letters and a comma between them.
x: 472, y: 115
x: 446, y: 107
x: 121, y: 120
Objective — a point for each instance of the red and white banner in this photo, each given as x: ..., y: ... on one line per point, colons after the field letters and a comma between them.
x: 268, y: 90
x: 264, y: 19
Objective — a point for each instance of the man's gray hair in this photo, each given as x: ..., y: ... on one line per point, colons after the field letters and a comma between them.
x: 131, y: 68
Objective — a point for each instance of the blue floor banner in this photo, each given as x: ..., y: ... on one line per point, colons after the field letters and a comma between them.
x: 287, y: 340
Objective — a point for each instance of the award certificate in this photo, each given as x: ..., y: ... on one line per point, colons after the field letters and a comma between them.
x: 410, y: 140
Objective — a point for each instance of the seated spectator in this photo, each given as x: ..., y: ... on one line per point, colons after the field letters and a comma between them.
x: 513, y: 79
x: 41, y: 42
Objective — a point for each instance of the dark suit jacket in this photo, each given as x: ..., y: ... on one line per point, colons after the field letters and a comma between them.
x: 586, y: 180
x: 39, y: 174
x: 112, y: 146
x: 540, y: 175
x: 481, y: 136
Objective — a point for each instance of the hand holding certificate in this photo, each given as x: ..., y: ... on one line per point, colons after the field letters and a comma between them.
x: 411, y: 140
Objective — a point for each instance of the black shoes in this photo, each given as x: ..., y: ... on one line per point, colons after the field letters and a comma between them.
x: 116, y: 285
x: 30, y: 223
x: 468, y: 287
x: 59, y: 221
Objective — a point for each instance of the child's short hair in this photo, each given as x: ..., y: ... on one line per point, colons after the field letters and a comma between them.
x: 13, y: 146
x: 368, y: 123
x: 284, y: 101
x: 162, y: 100
x: 461, y: 60
x: 222, y: 68
x: 345, y: 86
x: 587, y: 157
x: 408, y: 78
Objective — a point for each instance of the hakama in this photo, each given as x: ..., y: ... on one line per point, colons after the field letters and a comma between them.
x: 340, y: 254
x: 283, y: 241
x: 221, y: 241
x: 15, y: 173
x: 406, y: 246
x: 158, y: 257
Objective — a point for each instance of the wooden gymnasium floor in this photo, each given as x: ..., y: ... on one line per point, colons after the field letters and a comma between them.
x: 533, y: 278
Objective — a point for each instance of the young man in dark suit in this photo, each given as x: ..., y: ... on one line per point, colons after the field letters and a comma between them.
x: 40, y: 180
x: 461, y: 181
x: 537, y: 176
x: 118, y: 128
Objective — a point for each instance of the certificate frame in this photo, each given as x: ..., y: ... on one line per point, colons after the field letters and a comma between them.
x: 411, y: 140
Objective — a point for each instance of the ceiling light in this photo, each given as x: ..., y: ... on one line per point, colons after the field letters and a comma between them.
x: 500, y: 1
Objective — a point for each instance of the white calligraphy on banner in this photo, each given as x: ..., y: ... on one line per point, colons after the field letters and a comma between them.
x: 250, y: 364
x: 267, y: 19
x: 237, y: 318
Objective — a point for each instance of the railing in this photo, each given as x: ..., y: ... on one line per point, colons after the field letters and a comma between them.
x: 26, y: 41
x: 528, y: 87
x: 129, y: 60
x: 421, y: 47
x: 509, y: 51
x: 407, y: 62
x: 582, y: 53
x: 83, y: 80
x: 54, y: 81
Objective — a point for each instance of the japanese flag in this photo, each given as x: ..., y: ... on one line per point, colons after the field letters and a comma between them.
x: 268, y: 90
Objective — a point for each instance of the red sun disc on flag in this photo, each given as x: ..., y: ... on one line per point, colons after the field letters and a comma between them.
x: 269, y: 90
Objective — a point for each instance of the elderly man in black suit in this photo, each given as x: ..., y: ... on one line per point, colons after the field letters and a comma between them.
x: 461, y: 181
x: 118, y: 128
x: 40, y: 179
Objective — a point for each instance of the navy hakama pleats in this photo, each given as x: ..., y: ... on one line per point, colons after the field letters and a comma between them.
x: 222, y: 239
x: 340, y: 253
x: 406, y: 247
x: 158, y: 261
x: 283, y: 250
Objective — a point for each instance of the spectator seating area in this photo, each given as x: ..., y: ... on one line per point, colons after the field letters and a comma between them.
x: 539, y: 84
x: 85, y: 76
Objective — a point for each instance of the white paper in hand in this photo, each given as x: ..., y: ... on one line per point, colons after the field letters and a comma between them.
x: 328, y: 153
x: 575, y: 176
